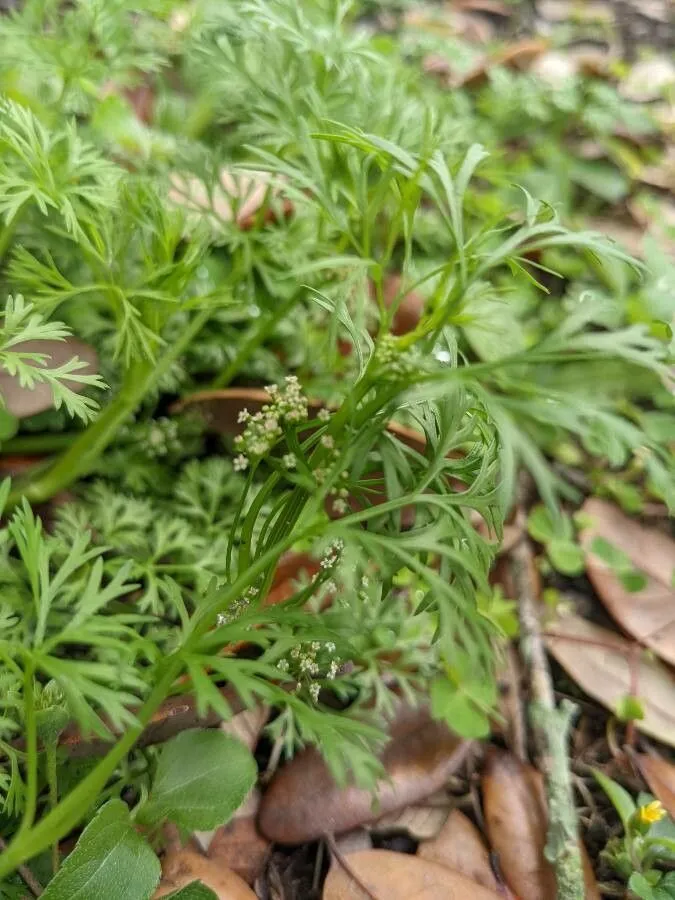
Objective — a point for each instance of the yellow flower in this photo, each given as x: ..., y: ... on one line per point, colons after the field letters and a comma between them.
x: 651, y: 812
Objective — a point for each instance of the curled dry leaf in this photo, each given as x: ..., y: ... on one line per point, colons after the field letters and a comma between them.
x: 660, y: 776
x: 516, y: 821
x: 648, y: 80
x: 183, y: 867
x: 398, y: 876
x: 238, y: 197
x: 648, y: 614
x: 460, y: 847
x: 23, y: 401
x: 418, y: 759
x: 607, y: 668
x: 519, y: 56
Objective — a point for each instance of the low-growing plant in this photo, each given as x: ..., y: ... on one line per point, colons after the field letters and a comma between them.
x: 162, y: 539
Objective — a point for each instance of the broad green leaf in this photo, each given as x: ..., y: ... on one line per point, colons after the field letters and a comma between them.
x: 619, y: 797
x: 110, y: 860
x: 566, y: 556
x: 641, y: 887
x: 202, y: 778
x: 540, y: 524
x: 457, y: 709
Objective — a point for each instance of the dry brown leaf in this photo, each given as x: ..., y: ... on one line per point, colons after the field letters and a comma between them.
x: 23, y: 401
x: 398, y: 876
x: 237, y: 198
x: 240, y: 847
x: 660, y: 776
x: 459, y: 846
x: 355, y: 841
x: 418, y: 759
x: 516, y: 821
x: 247, y: 725
x: 606, y: 667
x: 519, y: 56
x: 181, y: 868
x: 422, y: 821
x: 555, y: 68
x: 647, y: 615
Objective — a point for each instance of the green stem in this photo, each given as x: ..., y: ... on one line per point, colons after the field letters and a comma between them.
x: 71, y: 810
x: 80, y: 457
x: 7, y: 235
x: 39, y: 443
x: 30, y: 724
x: 256, y: 335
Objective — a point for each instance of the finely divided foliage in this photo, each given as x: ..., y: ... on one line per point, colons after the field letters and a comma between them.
x: 153, y: 568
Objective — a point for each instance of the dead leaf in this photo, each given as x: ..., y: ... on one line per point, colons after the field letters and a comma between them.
x: 355, y: 841
x: 399, y: 876
x: 647, y: 615
x: 422, y: 821
x: 460, y: 847
x: 661, y: 174
x: 594, y: 11
x: 240, y: 847
x: 23, y: 401
x: 648, y: 80
x: 555, y: 68
x: 600, y: 662
x: 418, y: 759
x: 660, y: 776
x: 238, y: 197
x: 519, y: 56
x: 516, y: 821
x: 181, y: 868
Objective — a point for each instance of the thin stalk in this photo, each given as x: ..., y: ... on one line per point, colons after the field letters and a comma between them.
x: 7, y: 235
x: 30, y: 724
x: 53, y: 785
x: 256, y: 335
x: 80, y: 457
x: 39, y: 443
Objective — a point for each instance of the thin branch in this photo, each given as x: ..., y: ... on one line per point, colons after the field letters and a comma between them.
x: 550, y: 725
x: 340, y: 859
x: 26, y: 875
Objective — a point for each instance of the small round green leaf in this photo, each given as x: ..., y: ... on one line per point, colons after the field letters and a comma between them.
x: 566, y: 556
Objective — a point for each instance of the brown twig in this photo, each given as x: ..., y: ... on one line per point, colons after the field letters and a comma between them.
x: 550, y: 725
x: 340, y: 859
x: 26, y: 875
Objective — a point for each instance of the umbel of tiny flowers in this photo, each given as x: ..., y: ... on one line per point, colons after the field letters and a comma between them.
x: 309, y: 662
x: 263, y: 429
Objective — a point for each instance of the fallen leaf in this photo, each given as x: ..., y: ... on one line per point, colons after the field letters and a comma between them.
x: 418, y: 759
x: 459, y: 846
x: 240, y: 847
x: 566, y: 10
x: 422, y: 822
x: 660, y: 776
x: 519, y: 56
x: 648, y: 615
x: 238, y: 197
x: 399, y: 876
x: 354, y: 841
x: 555, y: 68
x: 23, y: 401
x: 247, y: 725
x: 648, y: 80
x: 181, y: 868
x: 600, y: 662
x: 516, y: 821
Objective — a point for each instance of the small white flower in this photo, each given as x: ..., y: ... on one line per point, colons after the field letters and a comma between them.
x: 222, y: 619
x: 289, y: 461
x: 271, y: 424
x: 283, y: 665
x: 327, y: 441
x: 240, y: 463
x: 314, y: 690
x: 340, y: 506
x: 244, y: 416
x: 323, y: 415
x: 330, y: 646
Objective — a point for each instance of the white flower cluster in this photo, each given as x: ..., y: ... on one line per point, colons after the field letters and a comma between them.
x: 235, y: 610
x: 311, y: 661
x: 163, y: 438
x: 332, y: 554
x: 263, y: 429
